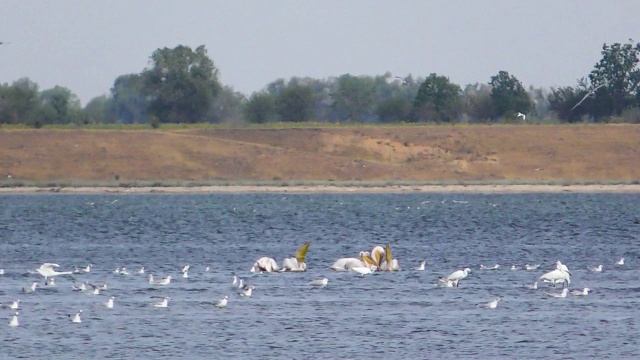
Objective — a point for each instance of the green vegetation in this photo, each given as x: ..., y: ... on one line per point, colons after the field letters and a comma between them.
x: 181, y: 86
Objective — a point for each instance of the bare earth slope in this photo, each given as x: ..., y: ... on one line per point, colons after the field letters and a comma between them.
x: 600, y: 153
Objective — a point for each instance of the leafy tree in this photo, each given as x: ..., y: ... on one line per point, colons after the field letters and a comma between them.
x: 19, y: 102
x: 227, y: 106
x: 295, y: 103
x: 129, y: 105
x: 394, y: 109
x: 260, y: 108
x: 438, y: 100
x: 508, y: 95
x: 477, y: 103
x: 97, y: 110
x: 354, y: 97
x: 63, y: 106
x: 616, y: 79
x: 182, y: 84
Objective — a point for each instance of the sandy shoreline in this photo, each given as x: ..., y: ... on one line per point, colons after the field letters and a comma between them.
x: 302, y: 189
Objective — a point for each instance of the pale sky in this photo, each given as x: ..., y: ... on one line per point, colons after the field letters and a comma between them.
x: 85, y: 45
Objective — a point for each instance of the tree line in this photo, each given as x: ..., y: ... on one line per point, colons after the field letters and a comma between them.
x: 181, y: 85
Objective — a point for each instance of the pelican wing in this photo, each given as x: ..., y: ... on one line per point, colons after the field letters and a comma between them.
x: 302, y: 252
x: 387, y: 251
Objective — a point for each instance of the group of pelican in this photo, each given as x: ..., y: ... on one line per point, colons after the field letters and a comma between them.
x: 378, y: 259
x: 296, y: 263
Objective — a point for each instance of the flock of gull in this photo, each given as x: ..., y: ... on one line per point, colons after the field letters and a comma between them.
x: 379, y: 259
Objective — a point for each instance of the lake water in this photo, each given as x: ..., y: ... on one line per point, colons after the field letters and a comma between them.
x: 401, y: 315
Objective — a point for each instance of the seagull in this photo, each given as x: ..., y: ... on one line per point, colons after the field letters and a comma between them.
x: 241, y: 283
x: 124, y: 271
x: 235, y: 280
x: 590, y: 93
x: 1, y: 271
x: 491, y: 304
x: 521, y: 115
x: 14, y: 320
x: 494, y: 267
x: 164, y: 281
x: 247, y: 292
x: 185, y: 274
x: 444, y: 282
x: 116, y: 271
x: 319, y: 283
x: 222, y: 302
x: 30, y: 289
x: 530, y: 267
x: 515, y: 267
x: 47, y: 270
x: 563, y: 294
x: 81, y: 287
x: 14, y: 305
x: 109, y: 303
x: 186, y: 268
x: 141, y: 271
x: 206, y: 269
x: 620, y: 262
x: 50, y: 282
x: 162, y: 304
x: 76, y: 318
x: 422, y: 265
x: 583, y: 292
x: 596, y: 268
x: 532, y: 287
x: 86, y: 269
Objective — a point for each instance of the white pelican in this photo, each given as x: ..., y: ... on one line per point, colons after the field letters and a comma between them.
x: 383, y: 259
x: 458, y: 275
x: 162, y: 304
x: 296, y: 263
x: 620, y: 262
x: 494, y: 267
x: 530, y: 267
x: 444, y: 282
x: 247, y: 292
x: 421, y: 266
x: 596, y: 268
x: 265, y: 264
x: 347, y: 264
x: 532, y: 287
x: 30, y: 289
x: 109, y: 303
x: 47, y: 270
x: 76, y: 318
x: 319, y: 283
x: 560, y: 275
x: 564, y: 293
x: 14, y: 320
x: 222, y: 302
x: 165, y: 281
x: 491, y: 304
x: 583, y: 292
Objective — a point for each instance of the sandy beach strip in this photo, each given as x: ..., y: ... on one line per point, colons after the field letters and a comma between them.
x: 328, y: 189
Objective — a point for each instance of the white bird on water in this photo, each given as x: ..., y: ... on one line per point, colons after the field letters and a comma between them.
x: 76, y: 318
x: 162, y: 304
x: 83, y: 270
x: 141, y: 271
x: 560, y: 275
x: 530, y: 267
x: 186, y: 268
x: 563, y: 294
x: 421, y: 266
x: 494, y: 267
x: 596, y: 268
x: 444, y: 282
x: 491, y: 304
x: 109, y: 303
x: 48, y: 270
x: 319, y: 283
x: 620, y: 262
x: 50, y: 282
x: 532, y: 287
x: 165, y: 281
x: 1, y: 271
x: 235, y: 280
x: 185, y: 274
x: 14, y: 320
x: 30, y: 289
x: 458, y: 275
x: 222, y: 302
x: 583, y: 292
x: 247, y: 292
x: 515, y: 267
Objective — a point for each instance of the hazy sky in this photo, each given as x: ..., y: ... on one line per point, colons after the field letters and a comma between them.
x: 85, y: 45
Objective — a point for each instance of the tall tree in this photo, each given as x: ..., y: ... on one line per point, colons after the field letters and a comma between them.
x: 295, y: 103
x: 437, y: 100
x: 354, y: 97
x: 181, y: 83
x: 508, y: 95
x: 19, y: 102
x: 62, y: 104
x: 129, y: 104
x: 260, y: 108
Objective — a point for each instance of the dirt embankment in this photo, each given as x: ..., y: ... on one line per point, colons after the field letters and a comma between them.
x: 599, y: 153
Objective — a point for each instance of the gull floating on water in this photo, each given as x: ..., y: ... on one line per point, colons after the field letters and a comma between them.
x: 14, y: 305
x: 422, y: 265
x: 596, y: 268
x: 30, y: 289
x: 14, y: 320
x: 186, y: 268
x: 620, y: 262
x: 494, y: 267
x: 319, y: 283
x: 141, y: 271
x: 185, y: 274
x: 81, y: 287
x: 247, y: 292
x: 563, y: 294
x: 491, y: 304
x: 1, y: 271
x: 515, y: 267
x: 235, y: 280
x: 116, y: 271
x: 162, y: 304
x: 532, y: 287
x: 582, y: 292
x: 165, y: 281
x: 109, y: 303
x: 530, y: 267
x: 206, y: 269
x: 222, y: 302
x: 444, y: 282
x: 83, y: 270
x: 124, y: 271
x: 50, y: 282
x: 76, y: 318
